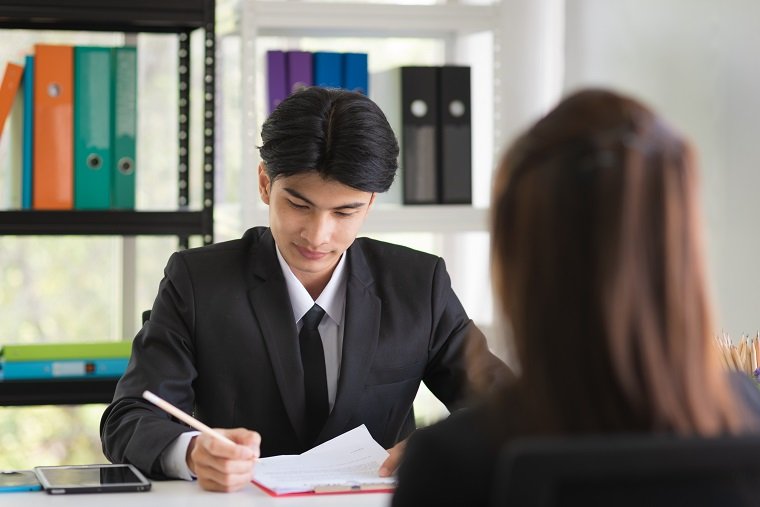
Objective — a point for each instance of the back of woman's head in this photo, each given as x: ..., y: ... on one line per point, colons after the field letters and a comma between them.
x: 598, y: 261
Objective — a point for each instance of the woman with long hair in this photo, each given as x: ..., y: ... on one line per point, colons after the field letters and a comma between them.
x: 598, y: 265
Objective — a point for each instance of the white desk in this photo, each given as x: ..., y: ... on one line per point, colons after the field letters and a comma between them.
x: 189, y: 494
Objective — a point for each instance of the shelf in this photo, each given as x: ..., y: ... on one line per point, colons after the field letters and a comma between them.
x: 423, y: 218
x: 113, y: 15
x: 178, y: 17
x: 168, y: 16
x: 107, y: 222
x: 56, y: 392
x: 453, y: 23
x: 366, y: 19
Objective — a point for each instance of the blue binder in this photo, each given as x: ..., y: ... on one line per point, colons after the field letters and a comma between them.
x: 355, y: 73
x: 65, y: 368
x: 27, y: 150
x: 328, y: 69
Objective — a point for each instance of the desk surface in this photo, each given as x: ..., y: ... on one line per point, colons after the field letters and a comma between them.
x: 189, y: 494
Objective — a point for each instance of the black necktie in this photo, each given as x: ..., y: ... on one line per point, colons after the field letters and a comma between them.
x: 314, y: 374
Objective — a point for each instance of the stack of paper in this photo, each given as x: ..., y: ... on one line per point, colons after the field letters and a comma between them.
x: 347, y: 463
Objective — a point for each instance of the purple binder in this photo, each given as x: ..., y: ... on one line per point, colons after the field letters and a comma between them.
x: 276, y: 78
x: 299, y: 70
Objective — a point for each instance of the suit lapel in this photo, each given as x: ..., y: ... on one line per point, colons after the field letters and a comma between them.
x: 360, y: 337
x: 270, y: 302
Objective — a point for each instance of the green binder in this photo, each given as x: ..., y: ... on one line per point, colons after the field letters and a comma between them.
x: 92, y: 127
x: 125, y: 127
x: 78, y: 350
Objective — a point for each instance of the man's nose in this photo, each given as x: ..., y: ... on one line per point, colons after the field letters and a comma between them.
x: 318, y: 230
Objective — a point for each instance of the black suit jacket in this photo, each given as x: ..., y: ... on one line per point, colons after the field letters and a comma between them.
x: 221, y: 343
x: 454, y: 462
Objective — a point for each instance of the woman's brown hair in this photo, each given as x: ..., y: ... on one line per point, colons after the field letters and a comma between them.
x: 598, y: 262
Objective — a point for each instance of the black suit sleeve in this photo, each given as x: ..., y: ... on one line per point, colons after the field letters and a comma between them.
x: 133, y: 430
x: 460, y: 366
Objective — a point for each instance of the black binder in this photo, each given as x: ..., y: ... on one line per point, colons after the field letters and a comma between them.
x: 419, y: 101
x: 455, y: 131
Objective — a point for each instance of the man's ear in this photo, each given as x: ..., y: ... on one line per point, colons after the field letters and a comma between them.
x: 371, y: 200
x: 264, y: 183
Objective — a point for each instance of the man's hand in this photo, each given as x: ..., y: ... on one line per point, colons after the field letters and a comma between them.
x: 220, y: 466
x: 391, y: 463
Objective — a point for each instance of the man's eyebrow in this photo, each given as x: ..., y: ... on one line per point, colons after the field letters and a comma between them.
x: 350, y: 205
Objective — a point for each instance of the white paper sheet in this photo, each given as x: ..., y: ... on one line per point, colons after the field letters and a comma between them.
x: 349, y: 461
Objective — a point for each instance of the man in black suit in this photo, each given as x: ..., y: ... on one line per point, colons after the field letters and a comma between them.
x: 229, y: 337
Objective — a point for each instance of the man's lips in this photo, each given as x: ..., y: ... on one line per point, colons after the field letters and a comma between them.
x: 310, y: 254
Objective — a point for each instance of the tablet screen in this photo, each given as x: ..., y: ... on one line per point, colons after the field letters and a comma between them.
x: 91, y: 478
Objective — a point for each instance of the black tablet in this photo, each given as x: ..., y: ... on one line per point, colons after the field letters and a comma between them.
x: 101, y: 478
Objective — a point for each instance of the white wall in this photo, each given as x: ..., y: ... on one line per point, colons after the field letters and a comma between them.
x: 698, y: 63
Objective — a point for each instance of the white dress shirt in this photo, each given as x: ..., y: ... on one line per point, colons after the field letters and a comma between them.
x: 333, y: 301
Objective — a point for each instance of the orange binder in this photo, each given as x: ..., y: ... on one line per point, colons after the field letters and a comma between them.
x: 8, y: 89
x: 53, y: 127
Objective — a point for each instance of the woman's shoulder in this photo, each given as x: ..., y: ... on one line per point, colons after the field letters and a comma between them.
x: 467, y: 432
x: 451, y: 462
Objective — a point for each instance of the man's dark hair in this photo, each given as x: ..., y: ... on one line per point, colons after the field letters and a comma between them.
x: 342, y: 135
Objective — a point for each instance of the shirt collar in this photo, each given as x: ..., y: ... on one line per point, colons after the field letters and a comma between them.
x: 332, y: 299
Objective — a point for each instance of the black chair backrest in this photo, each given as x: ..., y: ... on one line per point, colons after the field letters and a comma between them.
x: 636, y: 470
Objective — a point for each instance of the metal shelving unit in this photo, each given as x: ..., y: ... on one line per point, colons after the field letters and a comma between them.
x: 180, y: 17
x: 56, y: 392
x: 109, y: 222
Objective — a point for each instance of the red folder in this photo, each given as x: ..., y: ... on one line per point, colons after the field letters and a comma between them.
x: 331, y: 490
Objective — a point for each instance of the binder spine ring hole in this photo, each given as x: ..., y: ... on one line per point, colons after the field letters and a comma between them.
x: 125, y: 165
x: 456, y: 108
x: 54, y: 90
x: 419, y: 108
x: 94, y: 162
